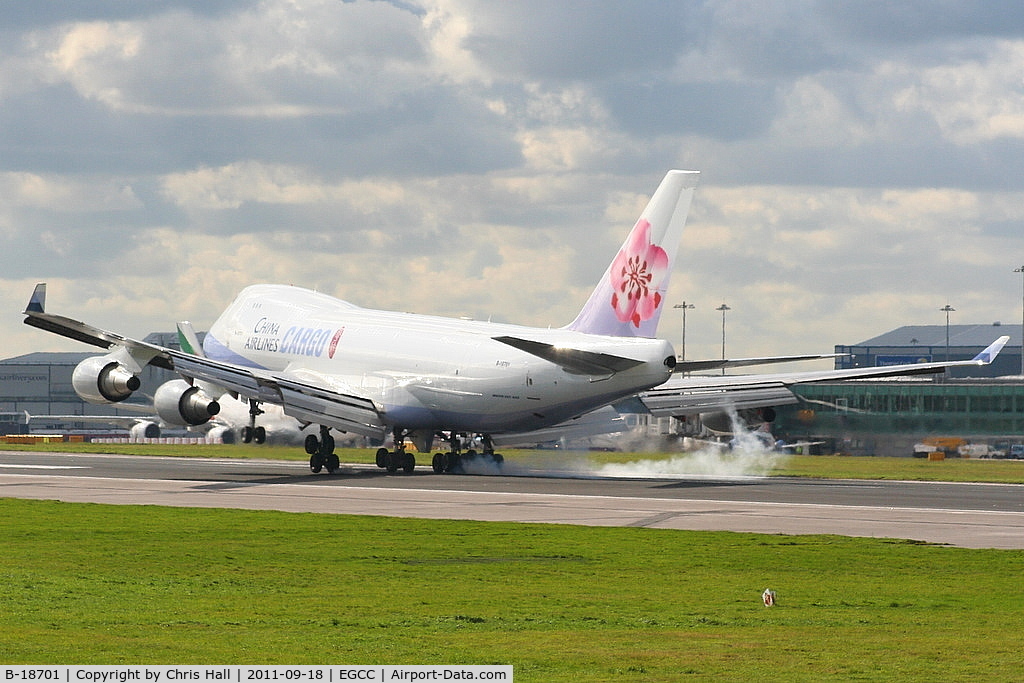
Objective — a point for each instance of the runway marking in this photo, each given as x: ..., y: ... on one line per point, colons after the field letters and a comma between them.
x: 42, y: 467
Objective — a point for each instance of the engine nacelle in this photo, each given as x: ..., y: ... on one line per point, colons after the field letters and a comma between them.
x: 101, y: 379
x: 178, y: 402
x: 224, y: 435
x: 145, y: 430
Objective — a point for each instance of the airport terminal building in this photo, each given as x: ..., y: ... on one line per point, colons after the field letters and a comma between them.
x: 979, y: 405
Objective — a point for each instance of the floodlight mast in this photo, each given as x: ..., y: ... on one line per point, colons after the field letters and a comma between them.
x: 1021, y: 270
x: 682, y: 347
x: 723, y: 308
x: 948, y: 309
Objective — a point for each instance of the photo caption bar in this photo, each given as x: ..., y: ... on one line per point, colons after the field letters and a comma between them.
x: 191, y: 673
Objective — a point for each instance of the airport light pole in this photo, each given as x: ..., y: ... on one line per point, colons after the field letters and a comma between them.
x: 1021, y: 270
x: 948, y: 309
x: 723, y: 308
x: 682, y: 346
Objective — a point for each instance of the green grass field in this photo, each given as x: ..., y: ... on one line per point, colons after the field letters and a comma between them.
x: 93, y: 584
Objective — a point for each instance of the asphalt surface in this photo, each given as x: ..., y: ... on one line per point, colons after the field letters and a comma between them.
x: 967, y: 515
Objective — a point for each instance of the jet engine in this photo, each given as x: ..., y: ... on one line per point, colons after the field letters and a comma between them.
x: 101, y: 379
x: 145, y: 430
x: 221, y: 435
x: 178, y: 402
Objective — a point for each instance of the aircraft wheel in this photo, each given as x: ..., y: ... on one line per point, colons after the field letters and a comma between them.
x: 392, y: 462
x: 246, y: 434
x: 408, y: 463
x: 316, y: 463
x: 259, y: 435
x: 312, y: 444
x: 382, y: 458
x: 327, y: 445
x: 452, y: 462
x: 499, y: 459
x: 438, y: 463
x: 332, y: 463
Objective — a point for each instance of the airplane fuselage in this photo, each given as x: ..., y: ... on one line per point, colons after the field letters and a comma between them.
x: 426, y: 372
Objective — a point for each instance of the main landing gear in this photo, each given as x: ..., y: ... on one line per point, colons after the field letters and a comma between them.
x: 392, y: 461
x: 251, y: 433
x: 454, y: 461
x: 321, y: 452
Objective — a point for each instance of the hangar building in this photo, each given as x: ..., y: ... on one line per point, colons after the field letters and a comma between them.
x: 925, y: 343
x: 40, y: 384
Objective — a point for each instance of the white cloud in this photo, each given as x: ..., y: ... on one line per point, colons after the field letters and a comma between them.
x: 972, y: 99
x: 66, y: 194
x: 447, y: 29
x: 469, y: 158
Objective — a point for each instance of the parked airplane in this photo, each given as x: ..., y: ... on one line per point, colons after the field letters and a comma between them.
x: 331, y: 363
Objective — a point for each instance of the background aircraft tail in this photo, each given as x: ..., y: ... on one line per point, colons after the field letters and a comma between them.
x: 630, y: 297
x: 188, y: 340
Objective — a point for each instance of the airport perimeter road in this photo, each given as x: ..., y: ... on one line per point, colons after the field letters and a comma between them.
x: 968, y: 515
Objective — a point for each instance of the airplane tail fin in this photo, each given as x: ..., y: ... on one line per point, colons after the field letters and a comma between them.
x: 630, y: 297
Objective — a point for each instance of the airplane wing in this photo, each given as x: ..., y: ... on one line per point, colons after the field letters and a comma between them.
x: 696, y: 394
x: 581, y: 362
x: 140, y: 352
x: 306, y: 398
x: 716, y: 364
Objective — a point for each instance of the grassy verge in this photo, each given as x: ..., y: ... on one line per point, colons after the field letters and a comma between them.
x: 818, y: 466
x: 103, y: 584
x: 912, y: 469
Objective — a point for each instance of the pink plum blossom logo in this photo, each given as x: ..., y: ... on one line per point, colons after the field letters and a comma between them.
x: 636, y: 273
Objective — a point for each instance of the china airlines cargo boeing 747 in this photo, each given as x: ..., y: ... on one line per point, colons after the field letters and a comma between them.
x: 330, y: 363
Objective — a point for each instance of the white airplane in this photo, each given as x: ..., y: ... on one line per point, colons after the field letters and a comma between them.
x: 368, y: 372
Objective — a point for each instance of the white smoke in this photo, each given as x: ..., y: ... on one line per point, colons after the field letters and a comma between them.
x: 749, y: 453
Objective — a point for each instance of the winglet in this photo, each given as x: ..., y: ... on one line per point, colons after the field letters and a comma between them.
x: 37, y: 303
x: 990, y: 353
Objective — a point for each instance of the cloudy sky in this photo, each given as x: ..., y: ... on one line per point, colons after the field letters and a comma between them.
x: 862, y: 162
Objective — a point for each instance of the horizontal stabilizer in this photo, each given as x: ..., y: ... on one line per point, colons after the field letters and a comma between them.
x: 574, y: 361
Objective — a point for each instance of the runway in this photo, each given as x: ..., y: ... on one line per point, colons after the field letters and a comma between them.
x: 966, y: 515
